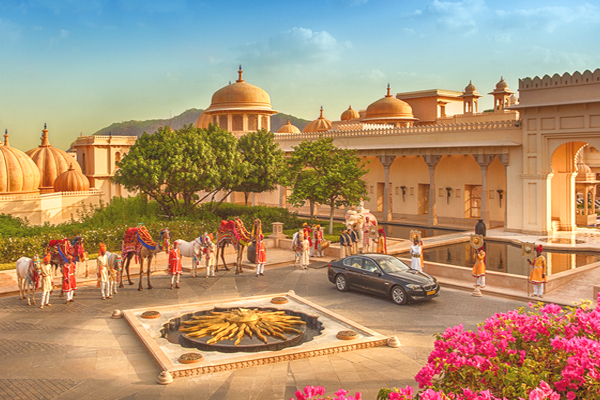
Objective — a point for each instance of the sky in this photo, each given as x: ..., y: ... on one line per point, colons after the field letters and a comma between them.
x: 81, y: 65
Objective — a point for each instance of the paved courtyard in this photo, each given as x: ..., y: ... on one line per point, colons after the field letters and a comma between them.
x: 77, y: 351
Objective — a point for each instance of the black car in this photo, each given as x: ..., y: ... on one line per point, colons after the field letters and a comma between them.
x: 382, y: 274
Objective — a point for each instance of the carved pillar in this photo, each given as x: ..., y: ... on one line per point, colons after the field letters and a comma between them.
x: 504, y: 160
x: 431, y: 162
x: 386, y: 161
x: 484, y: 161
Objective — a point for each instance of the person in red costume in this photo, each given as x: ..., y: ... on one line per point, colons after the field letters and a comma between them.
x: 261, y: 255
x: 69, y: 279
x: 175, y: 265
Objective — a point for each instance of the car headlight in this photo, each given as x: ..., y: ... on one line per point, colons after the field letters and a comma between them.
x: 414, y: 287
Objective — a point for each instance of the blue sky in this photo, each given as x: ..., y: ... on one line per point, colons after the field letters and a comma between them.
x: 80, y: 65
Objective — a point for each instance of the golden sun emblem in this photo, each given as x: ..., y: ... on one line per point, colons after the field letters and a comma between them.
x: 239, y: 322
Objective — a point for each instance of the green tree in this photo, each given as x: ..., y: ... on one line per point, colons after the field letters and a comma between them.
x: 265, y: 162
x: 170, y: 166
x: 320, y: 172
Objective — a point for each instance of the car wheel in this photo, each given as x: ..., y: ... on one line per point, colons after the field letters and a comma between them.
x: 399, y: 295
x: 340, y: 283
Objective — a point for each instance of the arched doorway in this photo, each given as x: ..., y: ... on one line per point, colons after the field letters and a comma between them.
x: 563, y: 196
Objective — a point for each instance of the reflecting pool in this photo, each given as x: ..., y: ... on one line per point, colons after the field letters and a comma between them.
x: 507, y: 258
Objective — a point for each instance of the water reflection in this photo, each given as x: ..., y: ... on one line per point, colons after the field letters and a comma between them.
x: 403, y: 231
x: 507, y: 258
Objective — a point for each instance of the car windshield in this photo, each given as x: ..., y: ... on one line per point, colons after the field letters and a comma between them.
x: 392, y: 264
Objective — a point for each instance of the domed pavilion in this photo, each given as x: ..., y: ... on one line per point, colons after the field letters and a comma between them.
x: 51, y: 162
x: 349, y: 115
x: 238, y: 108
x: 288, y: 128
x: 320, y: 124
x: 390, y: 110
x: 18, y: 173
x: 71, y: 181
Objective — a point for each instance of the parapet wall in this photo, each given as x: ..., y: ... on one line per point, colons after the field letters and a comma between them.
x: 566, y: 79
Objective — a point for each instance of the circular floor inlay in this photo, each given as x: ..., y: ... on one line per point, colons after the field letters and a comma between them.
x: 279, y: 300
x: 190, y: 358
x: 150, y: 314
x: 347, y: 335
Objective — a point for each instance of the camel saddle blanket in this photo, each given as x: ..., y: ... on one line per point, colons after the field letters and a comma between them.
x: 131, y: 244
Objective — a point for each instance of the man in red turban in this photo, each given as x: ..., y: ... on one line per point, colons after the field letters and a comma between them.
x: 175, y: 265
x: 538, y: 273
x: 68, y: 279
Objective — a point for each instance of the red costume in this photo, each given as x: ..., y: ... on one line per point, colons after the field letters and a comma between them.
x: 69, y: 278
x: 175, y: 264
x: 318, y: 238
x: 261, y: 253
x: 307, y: 232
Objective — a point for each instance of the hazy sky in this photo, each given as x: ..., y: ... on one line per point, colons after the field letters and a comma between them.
x: 80, y: 65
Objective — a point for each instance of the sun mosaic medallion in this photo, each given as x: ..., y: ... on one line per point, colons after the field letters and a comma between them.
x: 240, y: 323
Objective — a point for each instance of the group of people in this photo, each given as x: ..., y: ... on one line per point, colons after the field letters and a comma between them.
x: 537, y: 277
x: 69, y: 282
x: 350, y: 240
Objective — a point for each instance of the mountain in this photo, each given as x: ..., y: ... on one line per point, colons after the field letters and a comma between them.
x: 137, y: 128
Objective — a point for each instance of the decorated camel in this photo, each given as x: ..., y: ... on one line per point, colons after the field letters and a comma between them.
x: 59, y: 250
x: 138, y: 242
x: 28, y: 272
x: 234, y: 232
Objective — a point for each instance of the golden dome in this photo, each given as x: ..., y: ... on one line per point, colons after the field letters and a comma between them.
x: 288, y: 128
x: 203, y: 120
x: 320, y: 124
x: 51, y: 162
x: 18, y: 173
x: 349, y: 114
x: 71, y: 181
x: 502, y: 85
x: 390, y: 109
x: 240, y: 95
x: 470, y: 88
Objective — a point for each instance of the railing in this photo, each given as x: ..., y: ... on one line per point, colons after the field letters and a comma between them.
x: 37, y: 196
x: 391, y: 131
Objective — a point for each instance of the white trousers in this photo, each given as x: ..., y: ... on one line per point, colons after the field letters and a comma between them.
x: 104, y: 289
x: 45, y: 298
x: 481, y: 281
x: 210, y: 269
x: 538, y: 289
x: 69, y: 296
x: 175, y: 279
x: 260, y: 268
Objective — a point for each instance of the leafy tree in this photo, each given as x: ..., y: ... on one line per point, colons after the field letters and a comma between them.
x: 170, y: 166
x: 265, y: 162
x: 320, y: 172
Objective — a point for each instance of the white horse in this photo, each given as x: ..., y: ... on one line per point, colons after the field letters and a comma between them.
x: 27, y: 276
x: 192, y: 250
x: 114, y: 268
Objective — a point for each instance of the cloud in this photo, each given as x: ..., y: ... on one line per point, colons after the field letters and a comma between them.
x: 295, y: 46
x: 459, y: 16
x: 9, y: 31
x: 548, y: 19
x: 62, y: 35
x: 559, y: 60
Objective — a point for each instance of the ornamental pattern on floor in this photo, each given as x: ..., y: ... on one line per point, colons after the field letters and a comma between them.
x: 45, y: 389
x: 9, y: 347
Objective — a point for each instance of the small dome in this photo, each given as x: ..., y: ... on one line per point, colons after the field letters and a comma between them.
x: 389, y: 108
x: 470, y: 88
x: 18, y: 173
x: 203, y: 120
x: 320, y: 124
x: 288, y: 128
x: 71, y: 181
x: 502, y: 85
x: 51, y: 162
x: 349, y: 114
x: 240, y: 95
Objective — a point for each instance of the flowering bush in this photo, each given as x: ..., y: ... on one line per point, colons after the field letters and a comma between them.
x: 545, y: 353
x: 315, y: 393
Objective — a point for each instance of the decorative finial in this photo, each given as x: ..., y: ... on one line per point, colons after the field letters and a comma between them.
x: 45, y: 142
x: 240, y: 75
x: 6, y: 137
x: 388, y: 91
x: 321, y: 116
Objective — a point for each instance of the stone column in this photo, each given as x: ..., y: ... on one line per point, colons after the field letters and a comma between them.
x: 432, y: 161
x: 484, y: 161
x: 386, y: 161
x: 504, y: 160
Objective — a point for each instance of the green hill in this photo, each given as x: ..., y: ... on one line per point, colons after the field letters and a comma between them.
x: 137, y: 128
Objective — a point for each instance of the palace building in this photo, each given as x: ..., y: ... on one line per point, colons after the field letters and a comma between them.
x: 529, y: 165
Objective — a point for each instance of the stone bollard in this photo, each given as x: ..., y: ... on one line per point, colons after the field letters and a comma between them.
x: 277, y: 233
